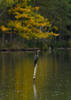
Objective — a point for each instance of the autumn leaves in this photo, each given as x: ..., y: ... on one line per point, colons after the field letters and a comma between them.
x: 26, y: 22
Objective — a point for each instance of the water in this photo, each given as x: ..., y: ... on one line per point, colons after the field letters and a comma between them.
x: 53, y: 76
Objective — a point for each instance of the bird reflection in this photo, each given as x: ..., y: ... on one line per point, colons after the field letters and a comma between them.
x: 34, y: 90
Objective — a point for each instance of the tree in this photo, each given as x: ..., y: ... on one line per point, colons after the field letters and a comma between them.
x: 24, y: 20
x: 58, y: 12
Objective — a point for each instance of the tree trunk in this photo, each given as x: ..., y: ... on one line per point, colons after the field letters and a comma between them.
x: 3, y: 39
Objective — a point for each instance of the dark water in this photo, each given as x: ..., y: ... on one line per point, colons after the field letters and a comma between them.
x: 53, y: 76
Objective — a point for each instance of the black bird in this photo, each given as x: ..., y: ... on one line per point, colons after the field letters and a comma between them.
x: 36, y: 58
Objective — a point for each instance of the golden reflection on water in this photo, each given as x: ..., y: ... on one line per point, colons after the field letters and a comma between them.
x: 17, y: 79
x: 17, y: 73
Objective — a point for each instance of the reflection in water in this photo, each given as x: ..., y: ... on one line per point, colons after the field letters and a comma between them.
x: 15, y: 78
x: 35, y: 91
x: 53, y: 76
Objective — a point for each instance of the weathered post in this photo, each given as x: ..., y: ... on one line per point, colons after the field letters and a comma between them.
x: 35, y: 63
x: 35, y: 71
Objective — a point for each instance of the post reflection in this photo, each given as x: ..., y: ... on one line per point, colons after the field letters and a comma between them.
x: 35, y: 91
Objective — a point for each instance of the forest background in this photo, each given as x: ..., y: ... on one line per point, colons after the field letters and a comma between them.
x: 35, y: 24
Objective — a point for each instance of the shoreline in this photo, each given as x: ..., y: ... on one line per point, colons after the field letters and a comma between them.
x: 63, y: 48
x: 18, y: 50
x: 28, y: 49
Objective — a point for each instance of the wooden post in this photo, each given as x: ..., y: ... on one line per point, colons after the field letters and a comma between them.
x: 35, y: 71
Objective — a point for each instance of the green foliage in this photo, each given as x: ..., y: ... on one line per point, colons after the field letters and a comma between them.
x: 58, y: 12
x: 61, y: 44
x: 69, y: 42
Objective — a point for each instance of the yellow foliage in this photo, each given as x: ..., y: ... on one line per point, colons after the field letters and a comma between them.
x: 25, y: 36
x: 32, y: 20
x: 52, y: 34
x: 42, y: 35
x: 43, y: 24
x: 18, y: 9
x: 36, y: 8
x: 48, y: 24
x: 21, y: 16
x: 55, y: 27
x: 25, y: 28
x: 17, y: 24
x: 27, y: 22
x: 56, y: 34
x: 27, y: 9
x: 38, y: 16
x: 3, y: 28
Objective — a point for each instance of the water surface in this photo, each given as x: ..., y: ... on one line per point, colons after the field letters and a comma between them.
x: 53, y: 76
